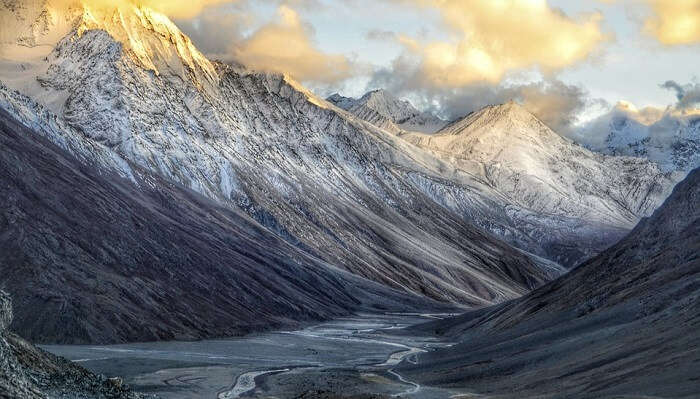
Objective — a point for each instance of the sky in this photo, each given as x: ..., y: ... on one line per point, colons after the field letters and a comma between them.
x: 568, y: 61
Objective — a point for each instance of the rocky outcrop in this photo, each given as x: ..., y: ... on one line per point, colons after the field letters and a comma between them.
x: 5, y: 311
x: 13, y: 380
x: 27, y: 372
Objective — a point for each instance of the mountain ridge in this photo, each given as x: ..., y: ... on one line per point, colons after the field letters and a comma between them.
x: 388, y: 112
x: 535, y: 167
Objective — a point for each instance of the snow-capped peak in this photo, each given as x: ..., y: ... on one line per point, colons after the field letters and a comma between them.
x: 670, y: 138
x: 31, y: 29
x: 500, y: 119
x: 154, y: 41
x: 538, y: 168
x: 389, y: 106
x: 385, y: 110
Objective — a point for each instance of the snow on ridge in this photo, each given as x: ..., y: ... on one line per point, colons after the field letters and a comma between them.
x: 539, y: 169
x: 384, y: 110
x: 672, y: 139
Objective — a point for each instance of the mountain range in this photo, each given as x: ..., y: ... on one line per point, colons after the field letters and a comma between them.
x: 579, y: 201
x: 672, y: 139
x: 151, y: 194
x: 127, y: 95
x: 341, y: 191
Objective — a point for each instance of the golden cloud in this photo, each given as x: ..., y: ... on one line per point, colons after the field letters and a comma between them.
x: 286, y: 46
x: 493, y: 37
x: 171, y: 8
x: 674, y: 21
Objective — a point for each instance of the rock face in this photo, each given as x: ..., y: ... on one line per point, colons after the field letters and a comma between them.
x: 91, y: 257
x: 624, y: 323
x: 388, y: 112
x: 332, y: 186
x: 27, y: 372
x: 537, y: 169
x: 5, y: 311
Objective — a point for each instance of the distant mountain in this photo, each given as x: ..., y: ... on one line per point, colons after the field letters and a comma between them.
x: 671, y: 140
x: 126, y: 93
x: 537, y: 169
x: 386, y: 111
x: 623, y: 324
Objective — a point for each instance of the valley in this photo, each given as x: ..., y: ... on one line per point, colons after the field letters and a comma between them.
x: 355, y: 355
x: 176, y: 222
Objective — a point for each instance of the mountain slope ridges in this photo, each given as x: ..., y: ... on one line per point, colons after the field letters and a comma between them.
x: 623, y: 323
x: 94, y: 258
x: 538, y: 169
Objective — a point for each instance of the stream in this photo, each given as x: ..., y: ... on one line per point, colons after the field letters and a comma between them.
x: 352, y: 355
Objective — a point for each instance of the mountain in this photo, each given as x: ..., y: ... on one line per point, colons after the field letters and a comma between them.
x: 624, y: 324
x: 672, y: 139
x: 127, y: 95
x: 91, y: 257
x: 30, y: 373
x: 537, y: 169
x: 388, y: 112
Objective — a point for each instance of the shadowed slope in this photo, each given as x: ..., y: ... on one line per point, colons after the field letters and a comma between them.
x: 626, y: 322
x: 91, y: 257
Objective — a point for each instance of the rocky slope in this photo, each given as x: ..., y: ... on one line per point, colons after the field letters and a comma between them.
x: 388, y: 112
x: 329, y: 184
x: 623, y: 324
x: 91, y: 257
x: 537, y: 169
x: 27, y: 372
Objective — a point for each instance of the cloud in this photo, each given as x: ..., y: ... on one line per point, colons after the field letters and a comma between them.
x: 381, y: 35
x: 172, y: 8
x: 554, y: 102
x: 489, y: 38
x: 674, y: 21
x: 216, y: 28
x: 651, y: 122
x: 688, y: 95
x: 286, y: 46
x: 557, y: 104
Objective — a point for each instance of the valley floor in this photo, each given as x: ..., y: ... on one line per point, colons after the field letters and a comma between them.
x: 348, y: 357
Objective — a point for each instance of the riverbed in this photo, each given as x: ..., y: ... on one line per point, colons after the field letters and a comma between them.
x: 348, y: 356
